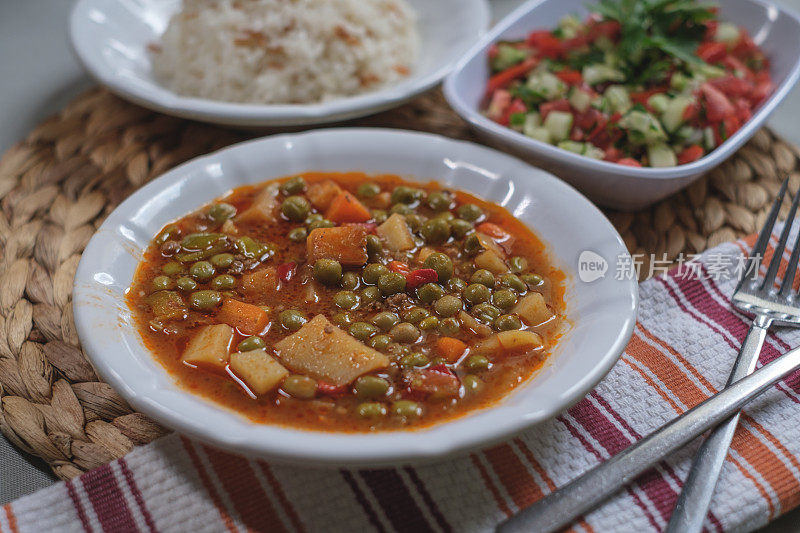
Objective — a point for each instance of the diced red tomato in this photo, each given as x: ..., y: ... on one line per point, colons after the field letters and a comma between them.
x: 493, y: 51
x: 398, y: 266
x: 717, y: 104
x: 329, y: 389
x: 502, y: 79
x: 743, y: 110
x: 689, y: 154
x: 628, y: 162
x: 437, y: 381
x: 420, y: 276
x: 555, y: 105
x: 691, y: 112
x: 613, y: 155
x: 745, y: 46
x: 732, y: 86
x: 500, y: 101
x: 607, y: 28
x: 517, y: 106
x: 734, y: 64
x: 711, y: 29
x: 761, y: 91
x: 286, y: 271
x: 547, y: 44
x: 576, y: 134
x: 711, y: 52
x: 588, y: 119
x: 641, y: 97
x: 578, y: 41
x: 570, y: 76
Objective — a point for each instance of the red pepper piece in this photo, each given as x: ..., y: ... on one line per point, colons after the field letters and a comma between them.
x: 689, y: 154
x: 420, y: 276
x: 502, y: 79
x: 286, y: 271
x: 329, y: 389
x: 398, y: 266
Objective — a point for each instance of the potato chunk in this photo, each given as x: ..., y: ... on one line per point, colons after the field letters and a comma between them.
x: 491, y: 262
x: 507, y: 342
x: 533, y: 310
x: 259, y: 370
x: 263, y: 208
x: 346, y: 244
x: 323, y: 351
x: 322, y: 194
x: 395, y: 233
x: 209, y: 348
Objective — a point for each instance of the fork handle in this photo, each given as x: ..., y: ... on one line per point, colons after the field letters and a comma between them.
x: 698, y: 489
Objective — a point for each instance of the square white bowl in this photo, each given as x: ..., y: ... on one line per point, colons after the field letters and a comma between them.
x: 774, y: 29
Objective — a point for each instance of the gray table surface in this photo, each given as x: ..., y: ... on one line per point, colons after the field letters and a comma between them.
x: 38, y: 75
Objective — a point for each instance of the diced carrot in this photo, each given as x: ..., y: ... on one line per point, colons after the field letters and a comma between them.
x: 346, y: 244
x: 450, y: 349
x: 247, y: 318
x: 492, y: 230
x: 322, y: 194
x: 261, y: 282
x: 398, y: 266
x: 346, y: 208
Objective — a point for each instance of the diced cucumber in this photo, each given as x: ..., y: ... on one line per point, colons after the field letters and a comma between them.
x: 559, y: 124
x: 673, y: 114
x: 618, y: 98
x: 679, y: 81
x: 707, y: 71
x: 507, y: 56
x: 643, y: 127
x: 594, y: 152
x: 658, y: 102
x: 548, y: 85
x: 661, y: 155
x: 573, y: 146
x: 708, y: 139
x: 727, y: 33
x: 570, y: 22
x: 540, y: 134
x: 598, y: 73
x: 580, y: 99
x: 689, y: 135
x: 532, y: 121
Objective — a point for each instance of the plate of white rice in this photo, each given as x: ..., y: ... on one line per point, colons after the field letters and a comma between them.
x: 259, y: 63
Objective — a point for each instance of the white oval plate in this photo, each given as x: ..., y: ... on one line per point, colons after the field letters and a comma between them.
x: 602, y: 312
x: 110, y: 38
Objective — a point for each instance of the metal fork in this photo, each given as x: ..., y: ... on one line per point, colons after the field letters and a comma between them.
x: 758, y: 296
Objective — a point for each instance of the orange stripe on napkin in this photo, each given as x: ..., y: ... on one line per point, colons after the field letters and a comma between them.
x: 516, y: 479
x: 212, y: 493
x: 281, y: 495
x: 12, y: 520
x: 487, y: 480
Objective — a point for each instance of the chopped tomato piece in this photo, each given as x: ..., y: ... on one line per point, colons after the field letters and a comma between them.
x: 746, y: 45
x: 732, y: 86
x: 517, y: 106
x: 711, y: 52
x: 629, y: 162
x: 613, y: 155
x: 690, y: 112
x: 286, y: 271
x: 435, y: 382
x: 762, y: 90
x: 329, y: 389
x: 493, y: 51
x: 689, y: 154
x: 555, y: 105
x: 570, y: 76
x: 420, y: 276
x: 398, y: 266
x: 641, y: 97
x: 717, y: 104
x: 500, y: 101
x: 547, y: 44
x: 502, y: 79
x: 588, y: 119
x: 607, y: 28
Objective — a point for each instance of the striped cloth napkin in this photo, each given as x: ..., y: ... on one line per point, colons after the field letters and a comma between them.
x: 680, y: 353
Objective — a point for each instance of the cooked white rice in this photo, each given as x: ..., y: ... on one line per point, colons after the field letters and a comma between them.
x: 286, y: 51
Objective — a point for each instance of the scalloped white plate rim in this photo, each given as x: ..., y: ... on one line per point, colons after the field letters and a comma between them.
x: 602, y: 313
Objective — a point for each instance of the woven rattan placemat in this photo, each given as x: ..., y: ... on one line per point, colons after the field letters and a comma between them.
x: 58, y: 184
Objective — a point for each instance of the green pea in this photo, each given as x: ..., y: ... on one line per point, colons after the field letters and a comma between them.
x: 372, y: 272
x: 447, y: 216
x: 201, y: 271
x: 295, y: 208
x: 162, y: 283
x: 173, y: 268
x: 251, y: 343
x: 440, y: 201
x: 439, y: 361
x: 486, y: 313
x: 507, y: 323
x: 414, y: 359
x: 380, y: 342
x: 292, y: 320
x: 404, y: 194
x: 415, y: 314
x: 327, y: 271
x: 346, y: 300
x: 374, y: 247
x: 404, y: 333
x: 512, y: 281
x: 401, y: 209
x: 201, y: 241
x: 221, y: 212
x: 447, y: 305
x: 386, y: 320
x: 470, y: 212
x: 435, y: 231
x: 370, y: 294
x: 534, y: 280
x: 371, y: 410
x: 250, y: 248
x: 342, y: 319
x: 406, y: 409
x: 472, y: 245
x: 205, y: 300
x: 517, y: 264
x: 222, y: 260
x: 186, y: 284
x: 349, y: 281
x: 476, y: 363
x: 428, y: 323
x: 313, y: 217
x: 298, y: 234
x: 223, y: 282
x: 504, y: 299
x: 442, y: 264
x: 414, y: 221
x: 294, y: 185
x: 482, y: 276
x: 449, y: 327
x: 429, y: 293
x: 371, y: 387
x: 379, y: 216
x: 472, y: 383
x: 362, y: 330
x: 368, y: 190
x: 477, y: 293
x: 392, y: 283
x: 456, y: 285
x: 169, y: 232
x: 324, y: 223
x: 460, y: 228
x: 300, y: 387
